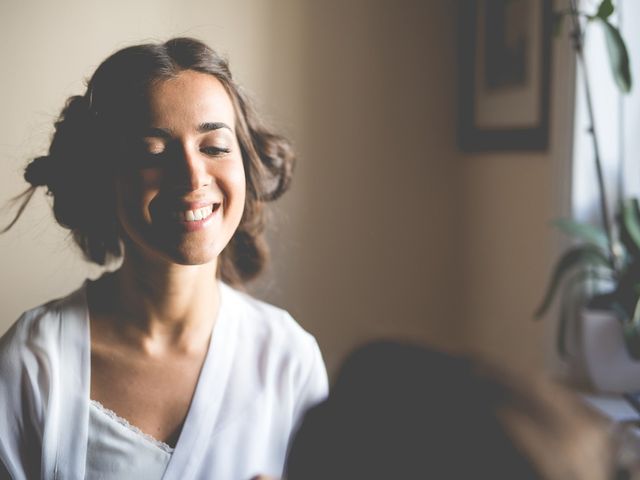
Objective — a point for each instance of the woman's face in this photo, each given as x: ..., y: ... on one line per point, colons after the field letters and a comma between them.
x: 181, y: 193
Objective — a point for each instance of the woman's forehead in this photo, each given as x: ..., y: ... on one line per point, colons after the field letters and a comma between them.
x: 189, y: 100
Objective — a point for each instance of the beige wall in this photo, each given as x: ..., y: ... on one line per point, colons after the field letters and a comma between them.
x: 388, y: 229
x: 510, y: 247
x: 370, y: 242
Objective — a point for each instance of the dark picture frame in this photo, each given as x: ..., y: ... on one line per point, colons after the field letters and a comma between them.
x: 504, y: 75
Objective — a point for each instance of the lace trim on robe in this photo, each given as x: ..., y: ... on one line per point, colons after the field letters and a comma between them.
x: 114, y: 416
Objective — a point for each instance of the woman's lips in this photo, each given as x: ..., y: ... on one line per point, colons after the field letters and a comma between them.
x: 194, y: 215
x: 195, y: 218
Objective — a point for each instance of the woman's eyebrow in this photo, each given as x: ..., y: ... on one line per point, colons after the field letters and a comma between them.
x: 156, y: 132
x: 168, y: 133
x: 209, y: 126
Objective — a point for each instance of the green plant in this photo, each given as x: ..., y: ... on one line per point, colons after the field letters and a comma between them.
x: 589, y: 264
x: 608, y: 258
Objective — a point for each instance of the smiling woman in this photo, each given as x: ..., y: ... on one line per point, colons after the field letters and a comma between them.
x: 187, y: 200
x: 160, y: 369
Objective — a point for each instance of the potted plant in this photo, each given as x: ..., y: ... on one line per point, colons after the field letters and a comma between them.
x: 599, y: 278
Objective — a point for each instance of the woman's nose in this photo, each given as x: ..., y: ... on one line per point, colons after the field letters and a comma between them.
x: 191, y: 169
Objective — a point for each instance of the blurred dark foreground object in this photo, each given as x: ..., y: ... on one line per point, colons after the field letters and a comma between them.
x: 403, y: 411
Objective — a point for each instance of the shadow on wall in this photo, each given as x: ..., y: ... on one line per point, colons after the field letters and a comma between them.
x: 369, y: 246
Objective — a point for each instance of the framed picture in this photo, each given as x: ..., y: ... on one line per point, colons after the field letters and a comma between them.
x: 505, y: 57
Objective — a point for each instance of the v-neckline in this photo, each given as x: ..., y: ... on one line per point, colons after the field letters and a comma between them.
x: 204, y: 407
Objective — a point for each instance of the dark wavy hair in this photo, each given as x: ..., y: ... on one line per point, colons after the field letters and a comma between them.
x: 88, y: 143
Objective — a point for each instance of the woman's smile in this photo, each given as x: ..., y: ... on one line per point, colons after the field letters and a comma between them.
x: 196, y: 215
x: 196, y: 218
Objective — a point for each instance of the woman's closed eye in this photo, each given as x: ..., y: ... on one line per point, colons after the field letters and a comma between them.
x: 148, y: 145
x: 214, y: 151
x: 145, y: 154
x: 149, y: 156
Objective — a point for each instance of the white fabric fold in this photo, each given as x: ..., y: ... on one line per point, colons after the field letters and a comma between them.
x: 261, y: 373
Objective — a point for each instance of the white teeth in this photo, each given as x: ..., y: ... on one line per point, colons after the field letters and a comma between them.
x: 194, y: 215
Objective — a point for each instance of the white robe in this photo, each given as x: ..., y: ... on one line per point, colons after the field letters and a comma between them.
x: 261, y: 373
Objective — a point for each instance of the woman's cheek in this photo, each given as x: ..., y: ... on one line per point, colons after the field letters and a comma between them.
x: 234, y: 183
x: 135, y: 195
x: 150, y: 178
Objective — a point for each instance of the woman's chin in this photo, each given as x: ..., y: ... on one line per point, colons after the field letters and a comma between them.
x: 187, y: 256
x: 177, y: 254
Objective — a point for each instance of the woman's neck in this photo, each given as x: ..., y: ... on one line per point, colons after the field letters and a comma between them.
x: 162, y: 306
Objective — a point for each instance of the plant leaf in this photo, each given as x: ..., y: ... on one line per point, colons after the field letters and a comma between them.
x: 567, y: 311
x: 583, y: 255
x: 630, y: 226
x: 618, y: 57
x: 583, y: 231
x: 570, y: 303
x: 631, y: 331
x: 605, y: 9
x: 636, y: 314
